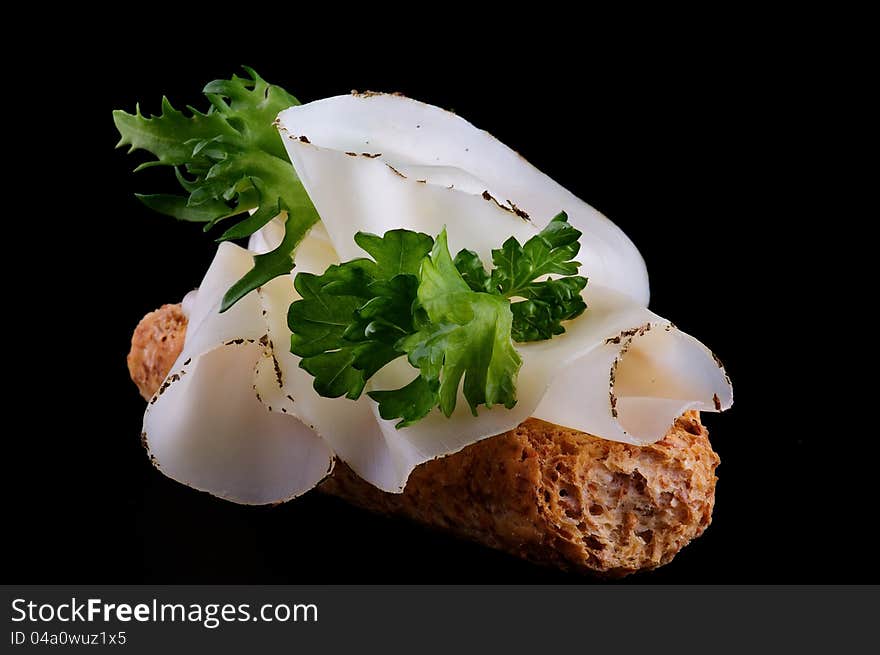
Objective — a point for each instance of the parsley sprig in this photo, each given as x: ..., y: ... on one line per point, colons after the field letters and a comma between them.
x: 453, y: 320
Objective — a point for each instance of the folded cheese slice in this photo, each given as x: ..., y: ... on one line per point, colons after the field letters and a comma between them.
x: 237, y: 416
x: 220, y: 421
x: 369, y: 160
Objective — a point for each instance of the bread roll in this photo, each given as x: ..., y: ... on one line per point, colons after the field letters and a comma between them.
x: 541, y: 492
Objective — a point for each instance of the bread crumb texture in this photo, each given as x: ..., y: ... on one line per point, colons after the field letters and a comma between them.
x: 541, y: 492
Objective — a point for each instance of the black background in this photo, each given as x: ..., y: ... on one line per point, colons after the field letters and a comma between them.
x: 685, y: 139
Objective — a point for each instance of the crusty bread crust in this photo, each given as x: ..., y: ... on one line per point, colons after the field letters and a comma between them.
x: 562, y: 497
x: 155, y: 344
x: 541, y: 492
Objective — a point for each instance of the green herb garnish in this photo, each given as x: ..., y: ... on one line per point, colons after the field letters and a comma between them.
x: 454, y: 321
x: 547, y: 303
x: 451, y: 318
x: 230, y: 160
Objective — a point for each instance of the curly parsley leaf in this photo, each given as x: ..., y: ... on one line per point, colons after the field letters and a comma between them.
x: 467, y: 335
x: 410, y: 404
x: 471, y: 268
x: 517, y: 267
x: 548, y: 304
x: 351, y: 317
x: 549, y: 251
x: 229, y: 160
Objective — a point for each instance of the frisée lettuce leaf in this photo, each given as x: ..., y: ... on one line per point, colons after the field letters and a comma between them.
x: 230, y: 162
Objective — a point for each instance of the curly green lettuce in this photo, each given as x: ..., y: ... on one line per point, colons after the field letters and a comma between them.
x: 231, y: 162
